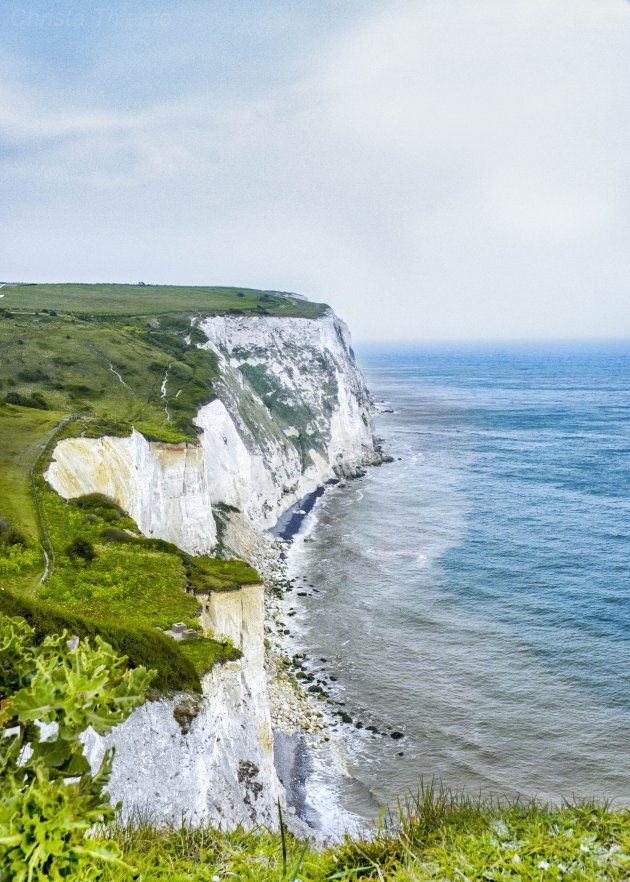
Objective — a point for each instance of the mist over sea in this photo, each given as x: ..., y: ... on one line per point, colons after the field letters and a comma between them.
x: 474, y: 593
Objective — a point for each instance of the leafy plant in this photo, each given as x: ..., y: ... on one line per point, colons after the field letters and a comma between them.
x: 49, y: 694
x: 81, y: 548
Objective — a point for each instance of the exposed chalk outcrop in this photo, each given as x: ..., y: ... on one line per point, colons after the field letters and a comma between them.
x: 208, y: 757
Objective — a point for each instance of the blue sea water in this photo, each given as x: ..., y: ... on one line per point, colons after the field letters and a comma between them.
x: 474, y: 593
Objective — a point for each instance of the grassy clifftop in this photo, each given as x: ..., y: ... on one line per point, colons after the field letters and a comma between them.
x: 111, y: 580
x: 125, y: 371
x: 151, y: 299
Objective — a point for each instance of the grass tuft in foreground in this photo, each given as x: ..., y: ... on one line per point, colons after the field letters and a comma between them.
x: 436, y: 836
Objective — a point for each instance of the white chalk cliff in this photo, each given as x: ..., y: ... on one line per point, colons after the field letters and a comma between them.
x: 291, y: 413
x: 208, y: 757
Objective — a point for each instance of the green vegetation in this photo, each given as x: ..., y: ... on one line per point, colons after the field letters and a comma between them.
x: 141, y: 644
x: 211, y: 573
x: 56, y: 823
x: 115, y: 372
x: 100, y: 359
x: 435, y: 837
x: 204, y: 653
x: 128, y: 581
x: 149, y: 299
x: 20, y: 556
x: 106, y: 572
x: 112, y: 581
x: 23, y: 435
x: 50, y: 797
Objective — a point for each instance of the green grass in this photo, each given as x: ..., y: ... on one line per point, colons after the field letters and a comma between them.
x: 23, y: 436
x: 211, y: 573
x: 437, y: 836
x: 145, y: 300
x: 69, y: 363
x: 126, y: 581
x: 24, y: 433
x: 204, y: 653
x: 141, y: 644
x: 126, y: 589
x: 132, y: 587
x: 134, y: 580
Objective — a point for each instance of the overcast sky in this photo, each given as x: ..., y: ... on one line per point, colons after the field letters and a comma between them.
x: 433, y: 169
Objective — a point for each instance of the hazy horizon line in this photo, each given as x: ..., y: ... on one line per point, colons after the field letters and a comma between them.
x: 490, y: 341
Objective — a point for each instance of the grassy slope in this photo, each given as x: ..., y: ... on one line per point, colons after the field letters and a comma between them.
x: 132, y: 578
x: 24, y: 433
x: 23, y: 436
x: 70, y: 362
x: 436, y: 837
x: 67, y: 361
x: 142, y: 645
x: 134, y: 585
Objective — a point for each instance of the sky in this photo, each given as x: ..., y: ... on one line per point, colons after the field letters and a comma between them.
x: 433, y: 169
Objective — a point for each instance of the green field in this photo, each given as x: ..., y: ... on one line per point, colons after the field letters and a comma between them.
x: 23, y: 435
x: 94, y: 360
x: 110, y: 369
x: 150, y: 299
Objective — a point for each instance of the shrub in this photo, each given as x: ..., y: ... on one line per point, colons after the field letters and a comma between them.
x: 32, y: 375
x: 50, y: 797
x: 81, y: 548
x: 112, y: 534
x: 36, y: 400
x: 101, y: 505
x: 141, y: 645
x: 10, y: 535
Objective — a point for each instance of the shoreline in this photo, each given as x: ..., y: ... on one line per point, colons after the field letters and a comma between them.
x: 290, y: 523
x: 313, y: 732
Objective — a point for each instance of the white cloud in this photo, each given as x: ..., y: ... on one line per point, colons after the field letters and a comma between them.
x: 439, y: 169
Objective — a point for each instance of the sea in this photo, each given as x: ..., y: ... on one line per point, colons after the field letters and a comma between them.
x: 470, y: 600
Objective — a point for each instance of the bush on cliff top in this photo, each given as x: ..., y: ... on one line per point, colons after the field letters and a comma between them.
x: 142, y: 646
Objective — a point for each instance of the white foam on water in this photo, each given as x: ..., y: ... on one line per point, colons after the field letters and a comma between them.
x: 324, y: 807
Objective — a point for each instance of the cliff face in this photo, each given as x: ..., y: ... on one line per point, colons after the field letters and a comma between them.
x: 291, y: 413
x: 208, y: 757
x: 164, y: 487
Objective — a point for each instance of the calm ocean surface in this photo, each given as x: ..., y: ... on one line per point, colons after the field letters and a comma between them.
x: 474, y: 593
